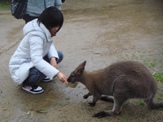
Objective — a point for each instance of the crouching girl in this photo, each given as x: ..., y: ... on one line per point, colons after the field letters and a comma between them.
x: 36, y: 58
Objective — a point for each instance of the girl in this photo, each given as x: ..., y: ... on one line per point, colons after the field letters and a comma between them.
x: 36, y: 57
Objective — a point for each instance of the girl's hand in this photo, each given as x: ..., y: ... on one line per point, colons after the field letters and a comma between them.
x: 53, y: 62
x: 62, y: 78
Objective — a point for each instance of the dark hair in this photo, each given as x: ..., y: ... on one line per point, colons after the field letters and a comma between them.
x: 51, y: 17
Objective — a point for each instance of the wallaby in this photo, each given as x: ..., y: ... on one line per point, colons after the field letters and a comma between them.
x: 121, y: 81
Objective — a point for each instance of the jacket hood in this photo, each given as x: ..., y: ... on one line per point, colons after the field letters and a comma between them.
x: 34, y: 27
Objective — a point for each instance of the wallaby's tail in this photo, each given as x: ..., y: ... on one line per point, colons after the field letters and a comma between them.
x: 153, y: 105
x: 156, y: 105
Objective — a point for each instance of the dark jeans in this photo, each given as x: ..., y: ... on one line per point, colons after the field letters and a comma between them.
x: 35, y: 76
x: 28, y: 18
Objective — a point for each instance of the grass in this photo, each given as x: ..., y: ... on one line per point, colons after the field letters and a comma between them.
x: 159, y: 76
x: 4, y: 6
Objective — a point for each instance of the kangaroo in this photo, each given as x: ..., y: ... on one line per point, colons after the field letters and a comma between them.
x: 122, y: 81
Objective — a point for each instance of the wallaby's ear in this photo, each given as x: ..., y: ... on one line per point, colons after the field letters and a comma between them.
x: 80, y: 71
x: 81, y: 67
x: 84, y: 63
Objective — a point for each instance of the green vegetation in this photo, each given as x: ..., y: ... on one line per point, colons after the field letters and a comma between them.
x: 4, y: 6
x: 159, y: 76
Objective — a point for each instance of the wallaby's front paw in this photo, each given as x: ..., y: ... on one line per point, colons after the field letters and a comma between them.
x: 85, y: 96
x: 92, y: 104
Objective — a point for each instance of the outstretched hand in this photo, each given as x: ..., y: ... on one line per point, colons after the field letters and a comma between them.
x: 62, y: 78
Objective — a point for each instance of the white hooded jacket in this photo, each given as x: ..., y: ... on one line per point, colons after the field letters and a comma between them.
x: 37, y: 43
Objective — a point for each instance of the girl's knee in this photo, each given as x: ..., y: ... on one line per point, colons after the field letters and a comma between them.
x: 60, y: 54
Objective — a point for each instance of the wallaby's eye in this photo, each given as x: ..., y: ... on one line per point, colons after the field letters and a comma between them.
x: 72, y: 75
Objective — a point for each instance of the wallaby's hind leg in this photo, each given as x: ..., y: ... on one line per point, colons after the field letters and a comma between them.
x: 115, y: 110
x: 152, y: 105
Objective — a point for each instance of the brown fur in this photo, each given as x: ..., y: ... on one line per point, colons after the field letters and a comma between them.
x: 122, y: 80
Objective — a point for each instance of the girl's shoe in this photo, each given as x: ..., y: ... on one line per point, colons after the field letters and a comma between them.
x: 47, y: 79
x: 33, y: 89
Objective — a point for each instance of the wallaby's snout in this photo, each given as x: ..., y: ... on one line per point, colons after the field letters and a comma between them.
x: 77, y: 73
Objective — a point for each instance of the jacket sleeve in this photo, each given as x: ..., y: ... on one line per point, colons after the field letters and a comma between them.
x: 36, y: 52
x: 58, y: 4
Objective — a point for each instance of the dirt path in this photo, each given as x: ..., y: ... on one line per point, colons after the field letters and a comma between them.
x: 100, y: 32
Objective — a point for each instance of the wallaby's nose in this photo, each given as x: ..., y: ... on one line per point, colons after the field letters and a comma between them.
x: 68, y: 79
